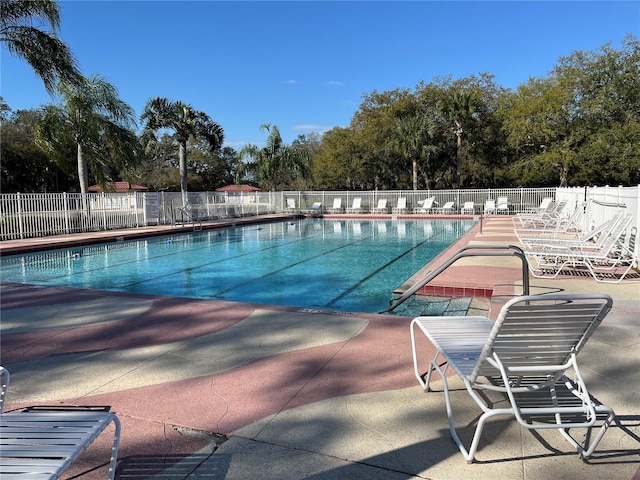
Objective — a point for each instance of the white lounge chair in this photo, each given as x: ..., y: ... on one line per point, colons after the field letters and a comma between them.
x: 446, y: 208
x: 523, y: 356
x: 426, y: 205
x: 356, y: 206
x: 315, y: 209
x: 381, y: 207
x: 337, y: 205
x: 291, y: 204
x: 592, y: 239
x: 544, y: 204
x: 489, y: 206
x: 43, y: 444
x: 401, y: 207
x: 468, y: 207
x: 562, y: 228
x: 602, y: 259
x: 551, y: 213
x: 624, y: 252
x: 503, y: 205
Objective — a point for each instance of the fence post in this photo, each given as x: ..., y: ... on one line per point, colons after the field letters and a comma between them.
x: 145, y: 220
x: 20, y: 224
x: 136, y: 208
x: 65, y: 201
x: 104, y: 211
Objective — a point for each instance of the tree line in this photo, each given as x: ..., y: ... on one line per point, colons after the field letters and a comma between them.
x: 578, y: 125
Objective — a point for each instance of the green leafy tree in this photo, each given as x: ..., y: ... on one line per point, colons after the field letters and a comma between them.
x: 485, y: 152
x: 412, y: 139
x: 373, y: 127
x: 24, y: 166
x: 335, y: 165
x: 212, y: 169
x: 99, y: 124
x: 186, y: 122
x: 310, y: 143
x: 28, y: 30
x: 607, y: 82
x: 458, y: 107
x: 273, y: 160
x: 158, y: 167
x: 5, y: 110
x: 581, y: 124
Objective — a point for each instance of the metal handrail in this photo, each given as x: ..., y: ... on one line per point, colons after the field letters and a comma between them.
x: 506, y: 250
x: 609, y: 204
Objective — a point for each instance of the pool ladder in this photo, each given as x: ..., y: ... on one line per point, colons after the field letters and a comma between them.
x: 186, y: 217
x: 469, y: 251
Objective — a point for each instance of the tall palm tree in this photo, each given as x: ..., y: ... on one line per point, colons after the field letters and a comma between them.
x: 99, y: 123
x: 47, y: 54
x: 458, y: 107
x: 275, y: 158
x: 161, y: 113
x: 412, y: 138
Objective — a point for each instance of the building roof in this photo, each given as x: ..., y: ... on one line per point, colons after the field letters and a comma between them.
x: 118, y: 187
x: 238, y: 188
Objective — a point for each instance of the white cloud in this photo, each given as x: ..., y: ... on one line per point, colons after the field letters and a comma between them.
x: 335, y: 83
x: 291, y: 82
x: 235, y: 143
x: 310, y: 127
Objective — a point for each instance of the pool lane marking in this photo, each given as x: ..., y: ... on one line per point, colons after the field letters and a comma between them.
x: 375, y: 272
x: 219, y: 294
x: 291, y: 265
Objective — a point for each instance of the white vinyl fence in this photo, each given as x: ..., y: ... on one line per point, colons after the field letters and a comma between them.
x: 601, y: 203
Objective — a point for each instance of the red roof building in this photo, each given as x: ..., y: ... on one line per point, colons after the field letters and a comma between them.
x: 238, y: 188
x: 119, y: 187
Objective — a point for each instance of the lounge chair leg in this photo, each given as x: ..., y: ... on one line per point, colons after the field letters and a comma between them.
x: 114, y: 448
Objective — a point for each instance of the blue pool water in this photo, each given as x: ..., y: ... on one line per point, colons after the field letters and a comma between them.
x: 349, y: 265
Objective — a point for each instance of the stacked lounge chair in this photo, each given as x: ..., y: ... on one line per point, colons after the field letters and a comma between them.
x: 606, y: 256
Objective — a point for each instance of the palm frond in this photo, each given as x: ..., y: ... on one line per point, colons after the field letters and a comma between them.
x: 50, y: 57
x: 33, y: 11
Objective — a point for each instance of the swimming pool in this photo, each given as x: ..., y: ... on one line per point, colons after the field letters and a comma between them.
x: 345, y: 264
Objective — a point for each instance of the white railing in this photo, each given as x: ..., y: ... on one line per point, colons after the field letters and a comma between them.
x: 42, y: 214
x: 519, y: 199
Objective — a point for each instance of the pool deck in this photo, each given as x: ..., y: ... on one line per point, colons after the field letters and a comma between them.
x: 227, y: 390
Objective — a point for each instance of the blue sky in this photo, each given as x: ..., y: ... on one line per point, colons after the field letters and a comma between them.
x: 304, y: 66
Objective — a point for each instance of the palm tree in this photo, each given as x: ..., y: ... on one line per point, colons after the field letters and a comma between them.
x: 412, y: 138
x: 274, y: 159
x: 458, y: 106
x: 161, y: 113
x: 49, y: 56
x: 99, y: 124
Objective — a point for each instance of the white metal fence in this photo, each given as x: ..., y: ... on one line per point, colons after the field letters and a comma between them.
x: 42, y: 214
x: 518, y: 199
